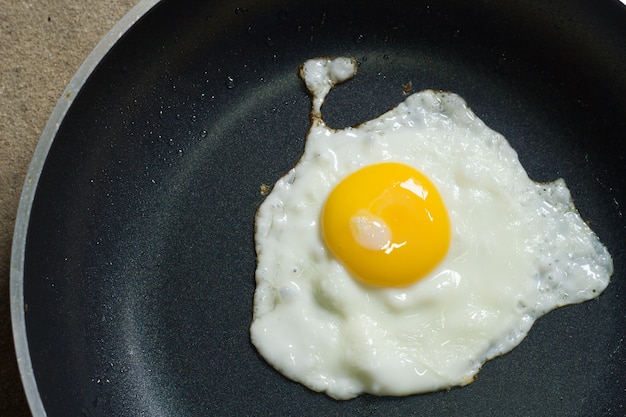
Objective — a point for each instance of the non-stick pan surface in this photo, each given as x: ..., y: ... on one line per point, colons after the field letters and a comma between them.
x: 138, y: 257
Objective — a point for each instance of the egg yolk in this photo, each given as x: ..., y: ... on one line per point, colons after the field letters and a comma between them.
x: 387, y: 224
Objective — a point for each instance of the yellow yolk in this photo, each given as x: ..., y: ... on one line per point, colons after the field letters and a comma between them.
x: 387, y: 224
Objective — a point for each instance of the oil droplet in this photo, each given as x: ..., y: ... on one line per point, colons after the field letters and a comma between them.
x: 359, y: 38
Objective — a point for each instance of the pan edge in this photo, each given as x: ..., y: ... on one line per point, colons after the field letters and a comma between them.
x: 16, y: 285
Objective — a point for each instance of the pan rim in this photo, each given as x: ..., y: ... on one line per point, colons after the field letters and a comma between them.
x: 20, y: 232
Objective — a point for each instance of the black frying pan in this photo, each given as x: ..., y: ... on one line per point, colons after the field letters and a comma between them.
x: 136, y: 262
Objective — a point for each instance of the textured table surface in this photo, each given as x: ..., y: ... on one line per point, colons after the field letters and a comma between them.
x: 42, y: 44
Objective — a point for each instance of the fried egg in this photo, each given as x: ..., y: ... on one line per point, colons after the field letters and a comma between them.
x: 399, y: 255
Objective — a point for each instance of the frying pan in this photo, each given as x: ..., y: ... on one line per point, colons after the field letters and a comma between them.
x: 133, y: 258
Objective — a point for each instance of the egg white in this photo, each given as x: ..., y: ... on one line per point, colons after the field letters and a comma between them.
x: 518, y: 250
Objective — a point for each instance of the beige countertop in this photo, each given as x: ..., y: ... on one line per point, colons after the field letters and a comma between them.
x: 42, y: 44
